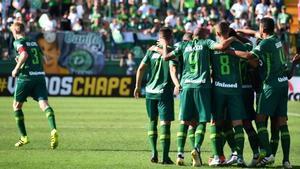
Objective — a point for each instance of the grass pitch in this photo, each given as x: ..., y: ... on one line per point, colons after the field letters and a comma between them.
x: 101, y: 133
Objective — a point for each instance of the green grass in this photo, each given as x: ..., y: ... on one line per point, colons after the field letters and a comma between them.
x: 99, y: 133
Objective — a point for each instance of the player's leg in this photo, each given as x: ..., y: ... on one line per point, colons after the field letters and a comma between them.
x: 152, y: 111
x: 237, y: 114
x: 265, y: 108
x: 185, y: 117
x: 229, y: 138
x: 166, y: 114
x: 40, y: 94
x: 274, y: 141
x: 20, y: 95
x: 281, y: 114
x: 202, y: 101
x: 191, y: 133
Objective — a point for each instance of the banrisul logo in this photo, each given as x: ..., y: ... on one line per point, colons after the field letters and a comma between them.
x: 293, y: 93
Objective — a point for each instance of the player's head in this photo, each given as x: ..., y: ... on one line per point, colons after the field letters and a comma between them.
x: 166, y: 34
x: 200, y: 33
x: 17, y: 28
x: 266, y: 26
x: 222, y: 29
x: 187, y: 36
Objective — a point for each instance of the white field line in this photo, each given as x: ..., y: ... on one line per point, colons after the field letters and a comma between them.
x: 293, y: 114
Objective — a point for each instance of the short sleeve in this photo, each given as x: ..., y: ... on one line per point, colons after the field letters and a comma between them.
x: 211, y: 44
x: 19, y: 47
x: 178, y: 50
x: 259, y: 50
x: 147, y: 57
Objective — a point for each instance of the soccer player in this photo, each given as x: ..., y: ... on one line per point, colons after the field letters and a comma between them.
x: 159, y: 95
x: 30, y: 82
x: 196, y: 89
x: 227, y: 93
x: 272, y: 65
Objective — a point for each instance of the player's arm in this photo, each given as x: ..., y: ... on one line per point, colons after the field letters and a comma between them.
x: 139, y: 76
x: 222, y: 45
x: 249, y: 32
x: 20, y: 61
x: 295, y: 62
x: 174, y: 77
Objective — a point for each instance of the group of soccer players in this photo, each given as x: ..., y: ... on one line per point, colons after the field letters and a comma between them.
x: 216, y: 83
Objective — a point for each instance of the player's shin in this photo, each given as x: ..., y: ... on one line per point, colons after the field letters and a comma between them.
x: 285, y: 142
x: 199, y: 135
x: 51, y: 117
x: 165, y: 139
x: 152, y: 137
x: 19, y: 117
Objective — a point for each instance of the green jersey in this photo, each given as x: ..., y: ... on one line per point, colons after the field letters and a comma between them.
x: 246, y: 70
x: 284, y: 18
x: 227, y: 70
x: 33, y: 66
x: 195, y: 58
x: 272, y: 62
x: 159, y: 83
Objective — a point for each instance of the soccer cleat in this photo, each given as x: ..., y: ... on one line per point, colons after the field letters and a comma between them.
x: 266, y: 161
x: 53, y: 139
x: 214, y: 161
x: 232, y: 159
x: 241, y: 163
x: 167, y: 161
x: 287, y: 165
x: 254, y: 160
x: 222, y: 160
x: 197, y: 162
x: 23, y: 140
x: 154, y: 159
x: 180, y: 160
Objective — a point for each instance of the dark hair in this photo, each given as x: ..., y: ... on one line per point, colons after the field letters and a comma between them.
x: 18, y: 27
x: 166, y: 32
x: 200, y: 33
x: 223, y: 28
x: 268, y: 25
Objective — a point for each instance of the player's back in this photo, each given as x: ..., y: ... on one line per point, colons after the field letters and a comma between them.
x: 159, y: 80
x: 227, y: 69
x: 196, y: 63
x: 272, y: 62
x: 33, y: 66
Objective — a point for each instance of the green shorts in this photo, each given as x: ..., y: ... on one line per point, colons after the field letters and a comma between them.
x: 228, y: 107
x: 34, y: 87
x: 248, y: 99
x: 195, y: 104
x: 163, y: 108
x: 273, y: 102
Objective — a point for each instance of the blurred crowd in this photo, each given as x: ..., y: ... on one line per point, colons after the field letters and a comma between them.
x: 112, y: 18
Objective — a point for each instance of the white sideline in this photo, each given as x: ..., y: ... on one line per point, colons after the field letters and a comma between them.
x: 294, y: 114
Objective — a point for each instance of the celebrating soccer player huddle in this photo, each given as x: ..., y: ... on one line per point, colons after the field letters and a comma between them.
x: 216, y: 84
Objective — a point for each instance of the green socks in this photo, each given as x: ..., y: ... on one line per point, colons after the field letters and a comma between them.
x: 285, y: 142
x: 213, y: 139
x: 199, y: 135
x: 19, y: 116
x: 263, y: 137
x: 253, y: 138
x: 165, y: 140
x: 152, y: 137
x: 181, y: 137
x: 51, y: 118
x: 191, y: 136
x: 229, y: 137
x: 239, y: 139
x: 274, y: 140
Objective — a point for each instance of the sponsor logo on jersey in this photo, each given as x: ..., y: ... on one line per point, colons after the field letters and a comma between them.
x: 283, y: 79
x: 278, y: 45
x: 195, y: 81
x: 193, y: 48
x: 226, y: 85
x: 155, y: 56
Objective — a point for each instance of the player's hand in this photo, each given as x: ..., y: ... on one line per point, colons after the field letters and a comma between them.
x: 16, y: 59
x: 163, y: 42
x: 15, y: 72
x: 137, y: 92
x: 177, y: 90
x: 156, y: 49
x: 296, y: 59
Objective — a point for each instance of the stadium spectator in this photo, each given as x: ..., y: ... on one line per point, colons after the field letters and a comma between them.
x: 128, y: 62
x: 73, y: 16
x: 170, y: 19
x: 238, y: 8
x: 145, y: 7
x: 261, y: 9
